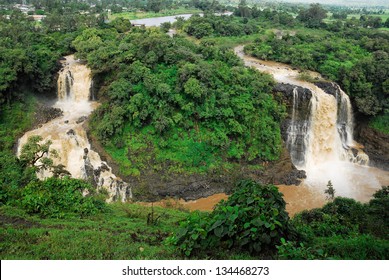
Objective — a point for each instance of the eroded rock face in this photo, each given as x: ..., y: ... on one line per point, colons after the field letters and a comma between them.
x: 294, y: 128
x: 376, y: 145
x: 283, y: 171
x: 45, y: 114
x: 328, y: 87
x: 303, y: 95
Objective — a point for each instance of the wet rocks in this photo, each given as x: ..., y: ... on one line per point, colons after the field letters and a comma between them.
x: 86, y: 151
x: 190, y: 191
x: 81, y: 119
x: 45, y: 114
x: 328, y: 87
x: 376, y: 145
x: 283, y: 172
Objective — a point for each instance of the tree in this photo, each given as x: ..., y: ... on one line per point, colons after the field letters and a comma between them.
x: 35, y: 154
x: 154, y: 5
x: 313, y: 17
x: 253, y: 219
x: 121, y: 25
x: 330, y: 191
x: 243, y: 9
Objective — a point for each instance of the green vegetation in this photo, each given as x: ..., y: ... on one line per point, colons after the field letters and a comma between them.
x: 381, y: 123
x: 172, y: 105
x: 214, y: 25
x: 310, y: 52
x: 253, y: 220
x: 342, y: 229
x: 120, y: 233
x: 58, y: 198
x: 252, y: 223
x: 163, y: 13
x: 14, y: 120
x: 183, y: 106
x: 28, y: 57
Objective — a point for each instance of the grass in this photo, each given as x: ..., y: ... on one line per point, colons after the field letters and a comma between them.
x: 164, y: 13
x: 121, y: 233
x: 381, y: 123
x: 232, y: 41
x: 179, y: 152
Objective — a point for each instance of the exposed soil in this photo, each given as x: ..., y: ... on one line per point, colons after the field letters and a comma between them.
x: 16, y: 222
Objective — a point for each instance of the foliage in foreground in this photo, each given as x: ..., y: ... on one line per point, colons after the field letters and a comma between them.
x: 54, y: 197
x: 253, y: 219
x: 120, y: 233
x: 342, y: 229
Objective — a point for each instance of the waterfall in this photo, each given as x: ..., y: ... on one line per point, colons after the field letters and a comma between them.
x: 74, y: 81
x: 68, y: 134
x: 322, y: 144
x: 319, y: 133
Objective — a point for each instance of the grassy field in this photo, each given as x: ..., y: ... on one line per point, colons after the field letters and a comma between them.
x: 121, y: 233
x: 140, y: 15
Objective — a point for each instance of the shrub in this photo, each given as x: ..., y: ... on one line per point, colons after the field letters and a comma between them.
x: 360, y: 247
x: 59, y: 198
x: 252, y: 219
x: 378, y: 213
x: 342, y: 229
x: 289, y: 250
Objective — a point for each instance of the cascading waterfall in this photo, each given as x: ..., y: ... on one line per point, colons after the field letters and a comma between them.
x: 69, y: 137
x: 319, y: 133
x: 323, y: 143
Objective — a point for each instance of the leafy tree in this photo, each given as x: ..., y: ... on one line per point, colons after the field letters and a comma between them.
x: 35, y: 154
x: 198, y: 27
x: 252, y: 219
x: 121, y: 25
x: 155, y: 5
x: 243, y: 9
x: 330, y: 191
x: 165, y: 26
x: 313, y: 17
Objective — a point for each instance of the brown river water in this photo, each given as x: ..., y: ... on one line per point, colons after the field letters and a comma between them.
x: 326, y: 158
